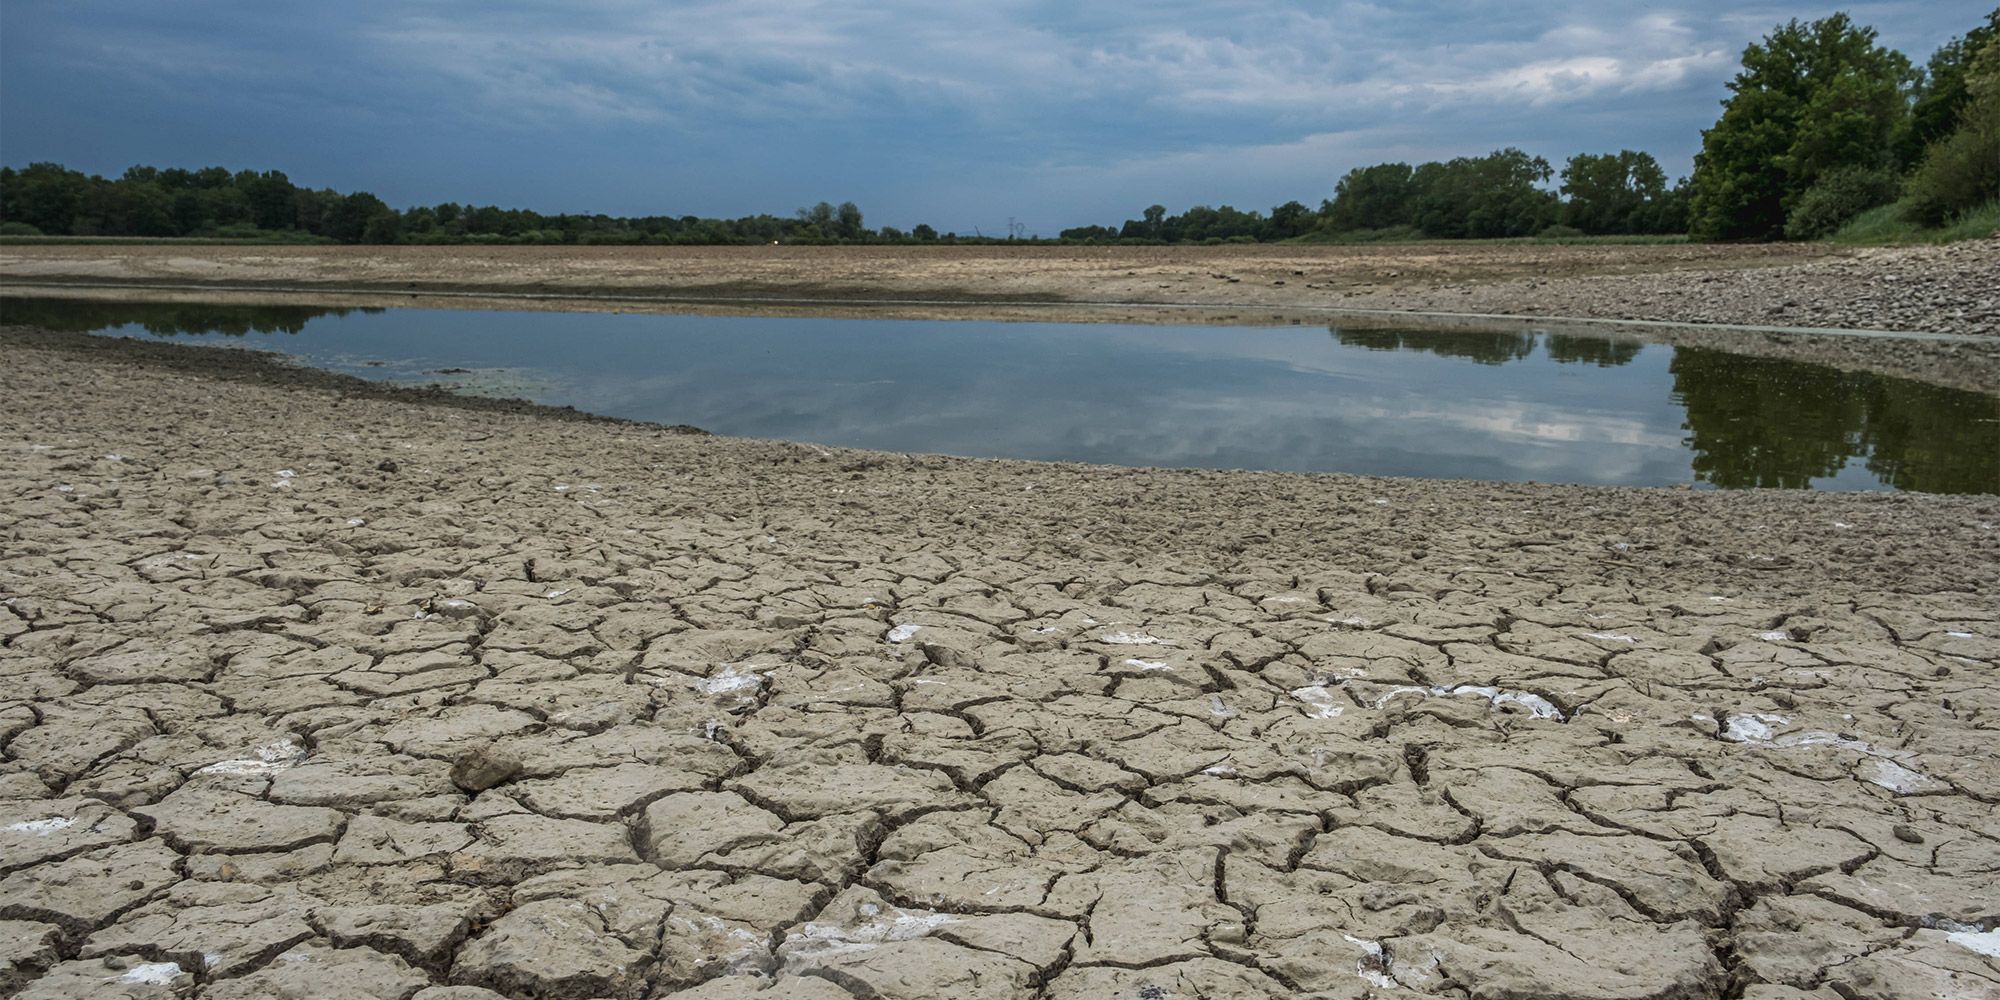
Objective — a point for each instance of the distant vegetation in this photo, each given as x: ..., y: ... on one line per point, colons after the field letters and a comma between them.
x: 147, y: 202
x: 1498, y: 196
x: 1826, y: 134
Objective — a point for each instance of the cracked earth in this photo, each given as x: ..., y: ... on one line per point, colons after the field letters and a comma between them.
x: 311, y: 692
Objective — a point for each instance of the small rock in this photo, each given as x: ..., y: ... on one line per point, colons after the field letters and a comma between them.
x: 386, y: 465
x: 480, y: 769
x: 1906, y: 835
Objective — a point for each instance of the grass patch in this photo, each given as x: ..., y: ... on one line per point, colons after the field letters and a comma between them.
x: 1889, y: 226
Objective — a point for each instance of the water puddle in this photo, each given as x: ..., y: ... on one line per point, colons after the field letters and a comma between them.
x: 1462, y: 405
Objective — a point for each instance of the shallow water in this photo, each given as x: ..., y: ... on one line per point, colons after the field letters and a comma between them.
x: 1478, y: 405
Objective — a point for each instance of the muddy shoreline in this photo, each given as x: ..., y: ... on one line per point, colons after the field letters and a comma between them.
x: 317, y: 685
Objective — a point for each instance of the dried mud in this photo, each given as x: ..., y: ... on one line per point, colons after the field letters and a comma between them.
x: 1703, y: 291
x: 321, y: 689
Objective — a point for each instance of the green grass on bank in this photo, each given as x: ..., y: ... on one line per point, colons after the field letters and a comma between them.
x: 1888, y: 226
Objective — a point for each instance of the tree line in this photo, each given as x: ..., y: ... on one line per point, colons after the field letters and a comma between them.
x: 50, y: 199
x: 1502, y: 194
x: 1822, y: 124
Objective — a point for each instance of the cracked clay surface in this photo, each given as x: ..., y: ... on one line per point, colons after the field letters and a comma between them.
x: 317, y: 695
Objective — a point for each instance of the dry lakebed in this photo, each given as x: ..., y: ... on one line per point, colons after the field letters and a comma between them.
x: 320, y: 687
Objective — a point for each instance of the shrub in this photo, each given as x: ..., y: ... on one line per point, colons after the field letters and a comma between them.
x: 1837, y: 198
x: 18, y: 229
x: 1960, y: 173
x: 1560, y: 232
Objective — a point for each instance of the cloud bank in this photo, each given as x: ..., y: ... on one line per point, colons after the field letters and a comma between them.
x: 959, y: 114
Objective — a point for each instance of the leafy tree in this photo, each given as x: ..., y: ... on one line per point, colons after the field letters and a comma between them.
x: 819, y: 217
x: 1611, y: 193
x: 44, y: 195
x: 1288, y: 220
x: 1484, y: 197
x: 1092, y: 234
x: 351, y: 216
x: 1376, y: 197
x: 847, y: 222
x: 270, y: 198
x: 1810, y: 98
x: 1963, y: 170
x: 924, y: 232
x: 1942, y: 96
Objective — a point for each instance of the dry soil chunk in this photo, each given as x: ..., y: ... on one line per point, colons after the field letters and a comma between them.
x: 39, y: 830
x: 211, y: 818
x: 481, y: 768
x: 1663, y: 884
x: 126, y: 977
x: 313, y: 970
x: 25, y: 947
x: 1909, y: 895
x: 1203, y: 978
x: 422, y: 934
x: 82, y: 892
x: 510, y: 847
x: 876, y: 949
x: 815, y: 785
x: 1149, y: 910
x: 552, y: 948
x: 760, y: 988
x: 144, y: 661
x: 1623, y: 960
x: 1765, y: 854
x: 222, y: 928
x: 682, y: 829
x: 603, y: 793
x: 379, y: 840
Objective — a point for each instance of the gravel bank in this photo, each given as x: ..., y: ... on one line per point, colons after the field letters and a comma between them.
x: 315, y: 690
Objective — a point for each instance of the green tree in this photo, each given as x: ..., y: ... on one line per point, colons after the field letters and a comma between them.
x: 847, y: 221
x: 819, y: 219
x: 44, y: 195
x: 349, y: 217
x: 1810, y: 98
x: 1963, y: 170
x: 1612, y: 193
x: 1942, y: 95
x: 1376, y: 197
x: 1288, y: 220
x: 1484, y: 197
x: 270, y: 198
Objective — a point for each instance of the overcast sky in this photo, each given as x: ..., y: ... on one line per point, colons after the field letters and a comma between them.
x: 956, y: 114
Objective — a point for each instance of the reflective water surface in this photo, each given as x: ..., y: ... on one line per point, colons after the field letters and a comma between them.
x: 1479, y: 405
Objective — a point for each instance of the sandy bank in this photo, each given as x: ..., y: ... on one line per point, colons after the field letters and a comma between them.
x: 310, y: 686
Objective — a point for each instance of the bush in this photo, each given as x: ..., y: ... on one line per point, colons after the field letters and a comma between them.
x: 1837, y: 198
x: 1959, y: 173
x: 1560, y: 232
x: 18, y: 229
